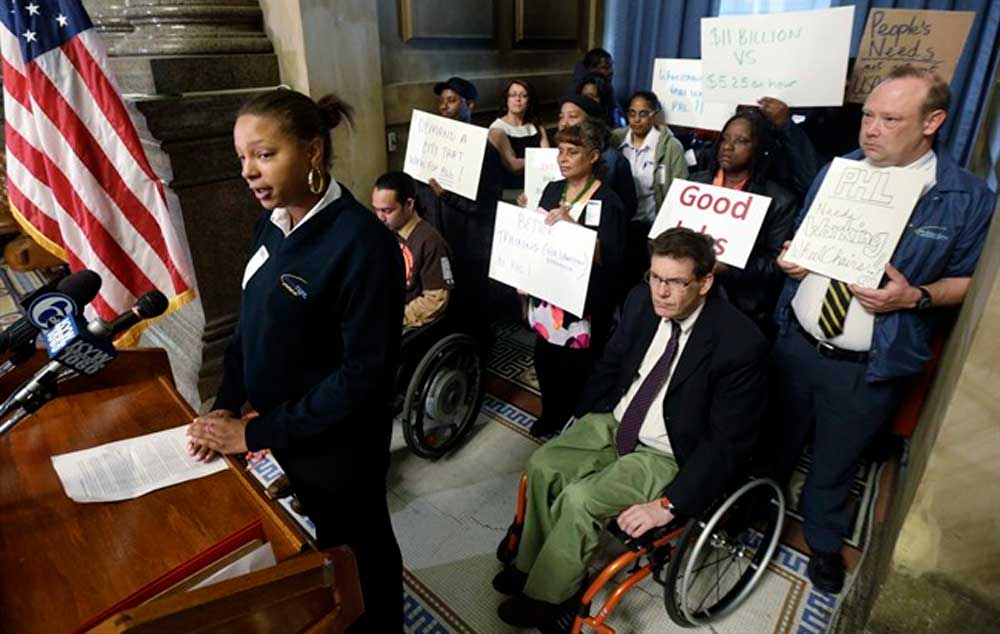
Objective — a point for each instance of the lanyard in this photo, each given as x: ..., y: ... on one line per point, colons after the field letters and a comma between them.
x: 590, y: 183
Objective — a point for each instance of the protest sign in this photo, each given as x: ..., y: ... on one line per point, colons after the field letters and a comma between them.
x: 855, y: 221
x: 551, y: 262
x: 541, y: 167
x: 930, y: 40
x: 731, y: 216
x: 446, y: 150
x: 677, y: 84
x: 799, y: 57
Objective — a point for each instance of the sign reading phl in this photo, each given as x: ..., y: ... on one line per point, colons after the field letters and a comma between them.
x: 732, y: 217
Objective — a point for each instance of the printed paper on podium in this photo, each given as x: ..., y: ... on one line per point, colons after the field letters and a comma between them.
x: 855, y: 222
x: 551, y: 262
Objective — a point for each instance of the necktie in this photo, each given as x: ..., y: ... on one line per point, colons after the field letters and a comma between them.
x: 635, y: 413
x: 834, y: 311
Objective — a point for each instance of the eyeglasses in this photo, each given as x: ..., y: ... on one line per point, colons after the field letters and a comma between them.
x: 640, y: 114
x: 675, y: 284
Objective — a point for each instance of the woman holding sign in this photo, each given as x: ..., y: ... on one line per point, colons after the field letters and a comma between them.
x: 515, y: 130
x: 739, y: 162
x: 565, y: 344
x: 316, y: 346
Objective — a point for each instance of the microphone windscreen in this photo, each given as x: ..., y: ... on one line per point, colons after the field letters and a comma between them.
x: 152, y: 304
x: 82, y: 286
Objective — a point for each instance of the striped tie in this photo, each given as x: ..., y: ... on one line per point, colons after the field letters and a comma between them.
x: 834, y: 312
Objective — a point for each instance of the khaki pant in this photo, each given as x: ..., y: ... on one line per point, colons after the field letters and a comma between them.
x: 577, y: 483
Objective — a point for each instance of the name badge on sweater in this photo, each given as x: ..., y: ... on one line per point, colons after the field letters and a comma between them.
x: 592, y: 216
x: 254, y: 264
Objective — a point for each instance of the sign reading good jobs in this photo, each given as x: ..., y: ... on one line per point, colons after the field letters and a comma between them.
x: 798, y: 57
x: 551, y: 262
x: 677, y: 84
x: 541, y: 167
x: 446, y: 150
x: 732, y: 217
x: 855, y: 221
x: 930, y: 40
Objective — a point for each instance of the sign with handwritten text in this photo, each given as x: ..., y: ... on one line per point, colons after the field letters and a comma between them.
x: 799, y: 57
x: 551, y: 262
x: 855, y: 221
x: 732, y: 217
x: 446, y: 150
x: 541, y: 167
x: 677, y: 84
x: 931, y: 40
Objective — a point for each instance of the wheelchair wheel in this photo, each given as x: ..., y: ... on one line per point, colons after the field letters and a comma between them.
x: 443, y: 396
x: 718, y: 562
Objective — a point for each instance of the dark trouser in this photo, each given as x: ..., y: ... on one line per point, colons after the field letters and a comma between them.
x: 561, y: 374
x: 636, y: 255
x: 829, y: 400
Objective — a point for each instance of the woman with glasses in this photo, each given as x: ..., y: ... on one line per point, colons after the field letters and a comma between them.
x: 566, y: 345
x: 656, y: 158
x: 515, y: 130
x: 740, y: 162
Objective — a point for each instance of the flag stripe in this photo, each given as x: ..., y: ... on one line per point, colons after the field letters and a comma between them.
x: 16, y: 85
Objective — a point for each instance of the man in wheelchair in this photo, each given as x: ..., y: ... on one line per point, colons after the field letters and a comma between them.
x: 667, y: 420
x: 429, y: 278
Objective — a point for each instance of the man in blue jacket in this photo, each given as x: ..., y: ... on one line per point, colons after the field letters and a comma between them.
x: 843, y: 352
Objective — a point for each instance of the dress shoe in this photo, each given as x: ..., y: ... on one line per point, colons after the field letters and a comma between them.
x: 280, y: 488
x: 522, y: 611
x: 826, y: 571
x: 510, y: 580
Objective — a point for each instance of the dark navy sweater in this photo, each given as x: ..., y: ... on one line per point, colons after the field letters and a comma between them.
x: 317, y: 344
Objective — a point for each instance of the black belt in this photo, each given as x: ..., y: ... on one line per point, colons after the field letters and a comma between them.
x: 831, y: 351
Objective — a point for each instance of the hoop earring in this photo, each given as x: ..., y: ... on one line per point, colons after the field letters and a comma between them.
x: 314, y: 175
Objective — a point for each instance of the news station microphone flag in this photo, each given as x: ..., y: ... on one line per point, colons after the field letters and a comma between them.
x: 79, y: 180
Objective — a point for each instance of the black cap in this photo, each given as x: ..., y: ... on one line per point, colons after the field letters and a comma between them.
x: 588, y: 105
x: 464, y: 88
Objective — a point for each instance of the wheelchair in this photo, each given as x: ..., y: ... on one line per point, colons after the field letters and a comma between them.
x: 707, y: 565
x: 439, y: 386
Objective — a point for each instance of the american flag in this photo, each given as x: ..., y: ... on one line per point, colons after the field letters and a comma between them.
x: 79, y: 179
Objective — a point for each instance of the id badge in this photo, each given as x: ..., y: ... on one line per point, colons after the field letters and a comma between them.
x: 254, y: 264
x: 661, y: 174
x: 592, y: 215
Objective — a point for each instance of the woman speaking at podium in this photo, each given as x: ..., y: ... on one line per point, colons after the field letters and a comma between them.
x: 317, y: 342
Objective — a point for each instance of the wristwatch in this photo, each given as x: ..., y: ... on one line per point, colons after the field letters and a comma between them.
x: 925, y: 299
x: 667, y: 504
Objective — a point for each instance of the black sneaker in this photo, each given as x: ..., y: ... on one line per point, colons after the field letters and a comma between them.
x: 826, y: 571
x: 522, y: 611
x: 510, y: 580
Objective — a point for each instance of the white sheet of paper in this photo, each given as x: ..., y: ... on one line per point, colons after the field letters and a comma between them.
x: 799, y: 57
x: 677, y: 83
x: 126, y: 469
x: 551, y: 262
x: 856, y: 221
x: 541, y: 167
x: 732, y: 217
x: 446, y: 150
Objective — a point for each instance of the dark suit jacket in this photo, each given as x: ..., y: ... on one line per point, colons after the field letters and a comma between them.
x: 715, y: 400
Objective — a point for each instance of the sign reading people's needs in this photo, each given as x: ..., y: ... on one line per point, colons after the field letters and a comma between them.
x: 732, y: 217
x: 677, y: 83
x: 799, y: 57
x: 855, y: 221
x: 929, y: 40
x: 541, y: 167
x: 551, y: 262
x: 449, y: 151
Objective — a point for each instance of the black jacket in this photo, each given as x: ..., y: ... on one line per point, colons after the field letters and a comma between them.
x: 715, y: 400
x: 755, y: 288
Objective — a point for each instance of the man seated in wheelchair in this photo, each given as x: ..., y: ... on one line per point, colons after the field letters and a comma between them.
x: 429, y: 278
x: 667, y: 421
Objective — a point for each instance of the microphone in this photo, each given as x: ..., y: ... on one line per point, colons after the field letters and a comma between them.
x: 45, y: 307
x: 152, y: 304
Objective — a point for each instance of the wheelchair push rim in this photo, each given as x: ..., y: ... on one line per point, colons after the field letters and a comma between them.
x: 738, y: 541
x: 443, y: 396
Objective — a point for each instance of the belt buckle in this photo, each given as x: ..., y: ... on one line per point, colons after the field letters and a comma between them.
x: 825, y: 348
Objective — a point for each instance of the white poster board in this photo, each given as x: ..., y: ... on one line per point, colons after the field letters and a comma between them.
x: 446, y: 150
x: 732, y: 217
x: 677, y: 83
x: 799, y: 57
x: 541, y: 167
x: 551, y: 262
x: 855, y: 221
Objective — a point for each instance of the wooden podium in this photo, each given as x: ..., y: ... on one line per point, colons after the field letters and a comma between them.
x: 120, y: 567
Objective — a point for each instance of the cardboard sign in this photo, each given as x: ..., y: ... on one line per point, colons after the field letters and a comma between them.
x: 677, y: 84
x: 799, y: 57
x: 541, y: 167
x: 930, y: 40
x: 551, y: 262
x: 732, y: 217
x: 855, y: 221
x: 446, y: 150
